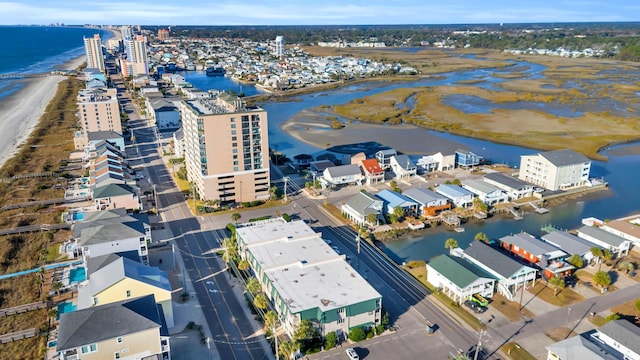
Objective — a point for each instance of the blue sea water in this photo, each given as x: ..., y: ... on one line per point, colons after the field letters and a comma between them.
x: 35, y: 49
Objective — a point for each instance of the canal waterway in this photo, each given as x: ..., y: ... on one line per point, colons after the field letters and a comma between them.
x: 622, y: 171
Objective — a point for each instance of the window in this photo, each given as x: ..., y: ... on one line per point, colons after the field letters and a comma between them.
x: 88, y: 349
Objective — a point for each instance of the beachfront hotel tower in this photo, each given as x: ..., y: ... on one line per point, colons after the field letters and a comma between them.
x: 93, y: 50
x: 226, y: 149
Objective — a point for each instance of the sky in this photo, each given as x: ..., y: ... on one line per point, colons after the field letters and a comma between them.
x: 314, y: 12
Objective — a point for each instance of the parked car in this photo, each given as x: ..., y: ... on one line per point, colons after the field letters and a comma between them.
x: 475, y: 306
x: 352, y: 354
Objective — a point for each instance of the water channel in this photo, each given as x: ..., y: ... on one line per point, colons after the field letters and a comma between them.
x: 622, y: 171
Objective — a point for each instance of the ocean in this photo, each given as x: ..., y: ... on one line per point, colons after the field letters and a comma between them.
x: 34, y: 49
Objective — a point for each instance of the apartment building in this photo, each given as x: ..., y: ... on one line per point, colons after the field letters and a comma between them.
x: 98, y: 110
x: 93, y: 51
x: 555, y: 170
x: 226, y: 149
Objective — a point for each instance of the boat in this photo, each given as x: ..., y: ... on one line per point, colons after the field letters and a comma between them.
x: 215, y: 71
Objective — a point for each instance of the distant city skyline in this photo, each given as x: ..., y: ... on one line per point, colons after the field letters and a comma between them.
x: 328, y: 12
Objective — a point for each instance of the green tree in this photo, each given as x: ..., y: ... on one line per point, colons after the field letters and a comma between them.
x: 236, y: 216
x: 626, y: 266
x: 556, y: 283
x: 243, y: 265
x: 451, y: 243
x: 270, y: 320
x: 481, y: 237
x: 602, y: 279
x: 357, y: 334
x: 261, y: 301
x: 253, y: 285
x: 575, y: 260
x: 330, y: 340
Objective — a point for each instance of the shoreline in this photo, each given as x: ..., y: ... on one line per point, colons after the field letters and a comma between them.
x: 21, y: 110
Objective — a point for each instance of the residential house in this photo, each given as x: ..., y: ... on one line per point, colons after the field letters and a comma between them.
x: 343, y: 174
x: 555, y: 170
x: 320, y: 165
x: 305, y: 279
x: 128, y: 329
x: 403, y: 167
x: 384, y: 157
x: 459, y: 279
x: 546, y: 257
x: 617, y: 245
x: 112, y: 278
x: 459, y: 196
x: 466, y: 159
x: 372, y: 170
x: 393, y: 200
x: 360, y: 206
x: 627, y: 228
x: 570, y: 244
x: 114, y: 196
x: 110, y: 232
x: 615, y: 340
x: 510, y: 274
x: 515, y: 188
x: 429, y: 203
x: 487, y: 193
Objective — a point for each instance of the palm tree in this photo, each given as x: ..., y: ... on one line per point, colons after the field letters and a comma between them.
x: 626, y: 266
x: 451, y: 243
x: 557, y: 283
x: 602, y: 279
x: 597, y: 254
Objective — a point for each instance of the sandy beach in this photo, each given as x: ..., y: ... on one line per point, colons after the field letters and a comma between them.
x: 21, y: 110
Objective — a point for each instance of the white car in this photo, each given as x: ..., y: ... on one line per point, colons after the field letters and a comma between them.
x: 352, y: 354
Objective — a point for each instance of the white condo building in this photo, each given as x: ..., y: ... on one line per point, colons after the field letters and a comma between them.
x: 93, y: 50
x: 555, y: 170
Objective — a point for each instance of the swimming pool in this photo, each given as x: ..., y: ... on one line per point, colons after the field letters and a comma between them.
x: 77, y: 275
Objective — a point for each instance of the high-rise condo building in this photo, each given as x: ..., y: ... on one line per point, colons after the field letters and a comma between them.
x: 93, y: 50
x: 98, y: 110
x: 279, y: 46
x: 226, y: 149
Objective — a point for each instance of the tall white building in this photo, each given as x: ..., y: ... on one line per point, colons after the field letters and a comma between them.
x: 93, y: 50
x: 279, y: 46
x: 226, y: 149
x: 555, y: 170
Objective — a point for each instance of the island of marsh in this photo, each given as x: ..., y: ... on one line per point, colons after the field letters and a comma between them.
x: 584, y: 104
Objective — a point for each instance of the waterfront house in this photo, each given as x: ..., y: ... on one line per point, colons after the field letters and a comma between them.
x: 393, y: 200
x: 113, y: 277
x: 305, y: 279
x: 359, y: 207
x: 466, y: 159
x: 128, y: 329
x: 343, y: 174
x: 110, y: 232
x: 617, y: 245
x: 372, y: 170
x: 320, y: 165
x: 627, y: 228
x: 617, y: 339
x: 570, y: 244
x: 487, y: 193
x: 114, y: 196
x: 403, y: 167
x: 515, y: 188
x: 555, y: 170
x: 458, y: 278
x: 429, y: 202
x: 459, y: 196
x: 384, y: 157
x: 510, y: 274
x: 546, y: 257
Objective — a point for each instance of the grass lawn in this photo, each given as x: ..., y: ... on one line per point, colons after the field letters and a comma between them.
x: 516, y: 352
x: 564, y: 297
x: 510, y: 309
